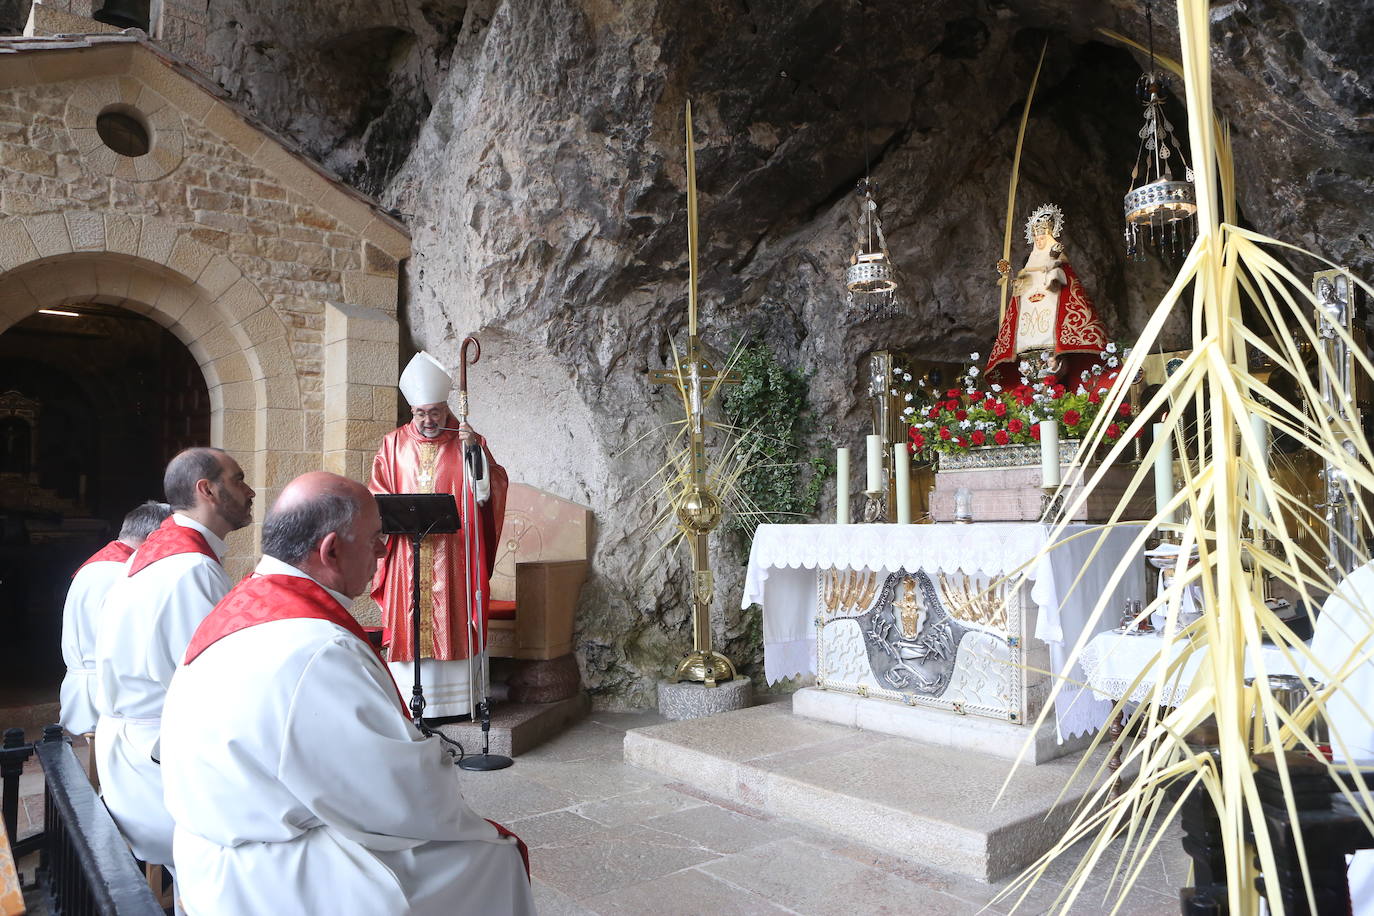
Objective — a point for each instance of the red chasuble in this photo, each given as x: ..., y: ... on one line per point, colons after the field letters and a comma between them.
x: 1079, y: 335
x: 263, y: 599
x: 408, y: 462
x: 113, y: 552
x: 168, y: 540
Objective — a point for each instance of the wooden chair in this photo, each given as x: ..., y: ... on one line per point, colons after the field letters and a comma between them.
x: 541, y: 563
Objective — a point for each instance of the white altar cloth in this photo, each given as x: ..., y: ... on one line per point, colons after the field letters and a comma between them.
x: 1113, y: 660
x: 785, y: 558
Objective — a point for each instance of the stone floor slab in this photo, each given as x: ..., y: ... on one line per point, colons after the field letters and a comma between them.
x: 810, y: 880
x: 720, y: 830
x: 686, y: 893
x: 615, y: 858
x: 637, y: 807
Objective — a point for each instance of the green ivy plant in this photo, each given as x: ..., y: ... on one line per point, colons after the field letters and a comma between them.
x: 770, y: 409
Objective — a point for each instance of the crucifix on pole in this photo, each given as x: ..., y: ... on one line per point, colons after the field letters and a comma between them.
x: 696, y: 504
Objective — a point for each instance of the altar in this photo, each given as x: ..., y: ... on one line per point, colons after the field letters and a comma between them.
x: 939, y: 617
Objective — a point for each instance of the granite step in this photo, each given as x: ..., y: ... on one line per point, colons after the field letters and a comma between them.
x: 929, y: 804
x: 520, y: 727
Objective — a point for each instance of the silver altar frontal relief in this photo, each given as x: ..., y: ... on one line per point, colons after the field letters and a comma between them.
x: 954, y: 642
x: 962, y: 621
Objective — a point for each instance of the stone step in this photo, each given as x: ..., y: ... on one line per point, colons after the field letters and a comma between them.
x: 517, y: 728
x: 929, y: 804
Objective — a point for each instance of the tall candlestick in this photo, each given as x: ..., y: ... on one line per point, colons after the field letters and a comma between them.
x: 1049, y: 453
x: 875, y: 464
x: 901, y: 468
x: 842, y: 486
x: 1164, y: 469
x: 1260, y: 429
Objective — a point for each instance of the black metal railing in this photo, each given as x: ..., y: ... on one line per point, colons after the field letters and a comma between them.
x: 85, y: 866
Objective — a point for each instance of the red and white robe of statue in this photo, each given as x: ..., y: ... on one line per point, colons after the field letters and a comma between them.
x: 297, y: 783
x: 408, y: 462
x: 80, y: 614
x: 1079, y: 335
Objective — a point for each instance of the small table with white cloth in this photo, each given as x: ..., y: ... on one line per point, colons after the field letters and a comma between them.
x: 1113, y: 660
x: 947, y: 563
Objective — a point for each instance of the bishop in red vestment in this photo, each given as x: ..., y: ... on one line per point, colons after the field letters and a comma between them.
x: 426, y: 456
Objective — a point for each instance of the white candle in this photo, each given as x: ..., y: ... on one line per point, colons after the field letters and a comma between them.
x: 1260, y: 429
x: 901, y: 467
x: 842, y: 486
x: 1049, y: 453
x: 875, y: 464
x: 1164, y: 469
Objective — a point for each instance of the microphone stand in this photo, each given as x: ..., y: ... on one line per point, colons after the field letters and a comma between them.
x: 416, y: 516
x: 472, y: 469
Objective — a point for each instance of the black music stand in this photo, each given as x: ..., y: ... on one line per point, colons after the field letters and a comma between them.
x: 417, y: 515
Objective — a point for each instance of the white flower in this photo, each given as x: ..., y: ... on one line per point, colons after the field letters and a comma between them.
x: 908, y: 396
x: 973, y: 371
x: 1024, y: 380
x: 906, y: 376
x: 996, y: 388
x: 1084, y: 374
x: 910, y: 410
x: 1037, y: 397
x: 1081, y: 391
x: 894, y: 392
x: 1111, y: 348
x: 1113, y: 363
x: 974, y: 356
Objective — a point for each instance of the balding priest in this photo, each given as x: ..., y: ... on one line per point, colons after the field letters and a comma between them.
x: 432, y: 454
x: 174, y: 580
x: 90, y: 584
x: 297, y: 782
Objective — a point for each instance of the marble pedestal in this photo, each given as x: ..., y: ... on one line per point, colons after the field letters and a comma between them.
x: 686, y: 700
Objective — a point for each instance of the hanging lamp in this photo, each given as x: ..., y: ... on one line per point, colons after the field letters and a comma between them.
x: 1159, y: 207
x: 871, y: 275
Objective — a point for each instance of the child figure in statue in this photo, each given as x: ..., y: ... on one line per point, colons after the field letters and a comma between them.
x: 1050, y: 313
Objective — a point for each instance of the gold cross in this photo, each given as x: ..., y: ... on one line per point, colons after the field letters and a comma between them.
x: 911, y: 609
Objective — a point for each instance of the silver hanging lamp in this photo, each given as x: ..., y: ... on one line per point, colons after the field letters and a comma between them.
x: 1159, y: 207
x: 870, y: 276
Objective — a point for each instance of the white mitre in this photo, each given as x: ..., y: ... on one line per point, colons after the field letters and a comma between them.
x: 424, y: 381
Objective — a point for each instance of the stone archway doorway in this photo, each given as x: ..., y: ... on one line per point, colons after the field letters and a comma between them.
x: 109, y: 395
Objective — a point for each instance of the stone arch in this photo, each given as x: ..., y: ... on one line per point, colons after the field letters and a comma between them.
x: 197, y: 293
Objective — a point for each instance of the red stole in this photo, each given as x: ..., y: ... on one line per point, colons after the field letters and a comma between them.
x: 263, y: 599
x: 1078, y: 331
x: 168, y: 540
x: 113, y: 552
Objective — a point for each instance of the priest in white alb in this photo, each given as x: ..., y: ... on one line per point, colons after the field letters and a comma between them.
x: 296, y: 780
x: 173, y: 582
x: 1343, y: 649
x: 432, y: 454
x: 91, y: 582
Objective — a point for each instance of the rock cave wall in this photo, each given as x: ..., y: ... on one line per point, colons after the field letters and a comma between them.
x: 535, y: 149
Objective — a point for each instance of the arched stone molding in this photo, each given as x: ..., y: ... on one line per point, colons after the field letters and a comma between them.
x: 202, y: 297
